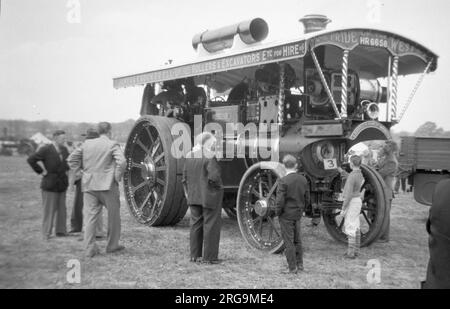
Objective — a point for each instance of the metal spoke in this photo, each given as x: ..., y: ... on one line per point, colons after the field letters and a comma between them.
x: 260, y: 188
x: 139, y: 186
x: 272, y: 190
x: 140, y: 144
x: 159, y: 157
x: 342, y: 223
x: 145, y: 201
x: 256, y: 193
x: 270, y: 231
x: 155, y: 148
x: 155, y: 196
x: 261, y: 227
x: 273, y: 225
x: 160, y: 181
x: 161, y: 168
x: 365, y: 217
x: 255, y: 221
x: 137, y: 165
x: 147, y: 129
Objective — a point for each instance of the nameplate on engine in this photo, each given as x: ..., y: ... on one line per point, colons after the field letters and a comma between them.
x: 317, y: 130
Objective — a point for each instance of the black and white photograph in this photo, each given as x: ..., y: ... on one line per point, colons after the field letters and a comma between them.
x: 226, y: 151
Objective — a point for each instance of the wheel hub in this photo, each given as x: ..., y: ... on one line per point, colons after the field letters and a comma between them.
x: 149, y: 171
x: 261, y: 207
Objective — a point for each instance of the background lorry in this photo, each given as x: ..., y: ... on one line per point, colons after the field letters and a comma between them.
x: 427, y: 161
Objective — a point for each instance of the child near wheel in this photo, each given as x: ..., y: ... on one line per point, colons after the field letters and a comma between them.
x: 292, y: 194
x: 351, y: 207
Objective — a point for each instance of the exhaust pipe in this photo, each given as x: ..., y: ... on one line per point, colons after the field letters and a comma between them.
x: 250, y: 32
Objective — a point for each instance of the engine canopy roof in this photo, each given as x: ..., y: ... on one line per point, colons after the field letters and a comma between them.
x: 368, y: 53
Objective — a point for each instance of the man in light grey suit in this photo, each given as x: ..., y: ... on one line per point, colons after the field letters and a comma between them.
x: 103, y: 164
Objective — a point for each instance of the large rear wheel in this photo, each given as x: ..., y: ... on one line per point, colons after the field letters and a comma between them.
x: 152, y: 178
x: 373, y: 210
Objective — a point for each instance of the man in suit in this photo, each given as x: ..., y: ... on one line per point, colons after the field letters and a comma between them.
x: 438, y: 228
x: 387, y: 168
x: 204, y: 193
x: 54, y: 183
x: 76, y: 219
x: 103, y: 164
x: 292, y: 194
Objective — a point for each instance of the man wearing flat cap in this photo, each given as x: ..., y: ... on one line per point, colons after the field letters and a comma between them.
x: 54, y: 183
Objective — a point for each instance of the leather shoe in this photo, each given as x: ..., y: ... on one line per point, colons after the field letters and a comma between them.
x: 196, y: 260
x: 289, y: 272
x: 119, y: 248
x: 212, y: 262
x: 61, y: 234
x: 100, y: 237
x: 382, y: 241
x: 93, y: 252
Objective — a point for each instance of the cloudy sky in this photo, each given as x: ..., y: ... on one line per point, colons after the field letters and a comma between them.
x: 56, y: 64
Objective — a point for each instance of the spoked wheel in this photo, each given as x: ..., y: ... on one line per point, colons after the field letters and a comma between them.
x: 372, y: 212
x: 255, y: 207
x: 152, y: 179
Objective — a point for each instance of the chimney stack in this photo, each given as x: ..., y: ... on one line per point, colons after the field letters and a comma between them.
x: 314, y: 22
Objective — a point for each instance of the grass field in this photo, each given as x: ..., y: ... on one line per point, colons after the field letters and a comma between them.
x: 158, y: 257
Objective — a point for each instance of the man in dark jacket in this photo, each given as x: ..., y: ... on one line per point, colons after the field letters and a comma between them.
x: 54, y: 182
x: 438, y: 227
x: 292, y: 194
x: 204, y: 193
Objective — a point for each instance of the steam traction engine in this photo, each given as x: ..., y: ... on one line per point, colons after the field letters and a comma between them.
x: 323, y: 93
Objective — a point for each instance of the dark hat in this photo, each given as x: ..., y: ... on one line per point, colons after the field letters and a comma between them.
x: 58, y: 133
x: 91, y: 133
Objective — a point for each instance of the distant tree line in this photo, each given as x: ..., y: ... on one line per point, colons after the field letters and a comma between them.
x: 16, y: 130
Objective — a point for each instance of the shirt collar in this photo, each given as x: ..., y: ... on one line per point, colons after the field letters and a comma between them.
x: 290, y: 172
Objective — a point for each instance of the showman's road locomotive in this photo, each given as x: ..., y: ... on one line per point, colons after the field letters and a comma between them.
x: 324, y: 93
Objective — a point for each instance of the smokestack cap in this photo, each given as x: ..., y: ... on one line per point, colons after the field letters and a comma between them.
x: 314, y: 22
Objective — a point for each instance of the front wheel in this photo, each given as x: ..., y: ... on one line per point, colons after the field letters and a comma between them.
x: 373, y: 210
x: 255, y: 207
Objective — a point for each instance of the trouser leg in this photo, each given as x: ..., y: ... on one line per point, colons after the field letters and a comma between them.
x: 211, y: 232
x: 49, y: 201
x: 196, y: 232
x: 91, y: 213
x: 76, y: 220
x: 298, y: 243
x: 111, y: 199
x: 99, y: 230
x: 61, y: 214
x: 403, y: 180
x: 386, y: 227
x: 351, y: 242
x: 357, y: 242
x: 287, y: 233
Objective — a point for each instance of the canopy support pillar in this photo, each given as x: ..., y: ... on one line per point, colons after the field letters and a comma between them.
x: 325, y: 85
